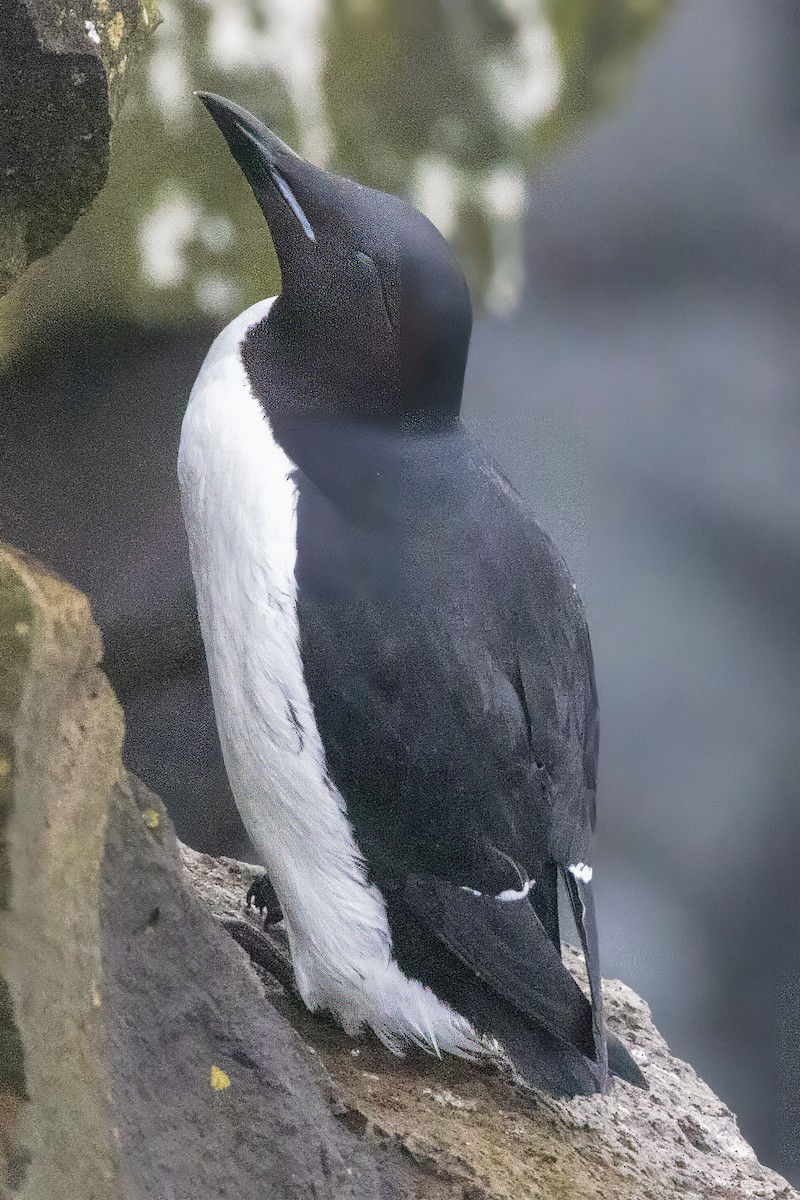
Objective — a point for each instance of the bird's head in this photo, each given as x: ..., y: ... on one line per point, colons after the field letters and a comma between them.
x: 374, y: 315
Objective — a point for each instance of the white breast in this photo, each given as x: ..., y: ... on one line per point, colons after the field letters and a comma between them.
x: 239, y: 504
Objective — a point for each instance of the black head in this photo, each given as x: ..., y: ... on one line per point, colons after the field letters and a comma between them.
x: 374, y: 316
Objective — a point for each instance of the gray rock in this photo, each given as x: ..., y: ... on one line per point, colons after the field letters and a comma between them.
x: 60, y: 741
x: 494, y: 1140
x: 63, y: 70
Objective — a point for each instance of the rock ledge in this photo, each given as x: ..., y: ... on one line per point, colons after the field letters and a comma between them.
x: 499, y: 1141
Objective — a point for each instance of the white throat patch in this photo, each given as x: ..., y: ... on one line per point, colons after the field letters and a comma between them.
x: 239, y: 506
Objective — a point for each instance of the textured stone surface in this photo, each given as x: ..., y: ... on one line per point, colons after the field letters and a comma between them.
x: 213, y: 1093
x: 63, y: 70
x: 493, y: 1140
x: 60, y: 740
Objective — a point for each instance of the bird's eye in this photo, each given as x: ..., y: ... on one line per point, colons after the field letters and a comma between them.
x: 371, y: 267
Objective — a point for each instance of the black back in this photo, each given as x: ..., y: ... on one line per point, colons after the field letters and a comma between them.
x: 445, y: 652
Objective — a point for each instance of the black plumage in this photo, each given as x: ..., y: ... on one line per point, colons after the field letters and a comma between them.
x: 444, y: 645
x: 448, y: 661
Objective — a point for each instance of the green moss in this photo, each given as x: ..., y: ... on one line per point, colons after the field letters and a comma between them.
x: 17, y: 620
x: 16, y: 627
x: 406, y: 80
x: 597, y: 46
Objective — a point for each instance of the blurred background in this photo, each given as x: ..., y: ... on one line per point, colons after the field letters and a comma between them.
x: 620, y: 180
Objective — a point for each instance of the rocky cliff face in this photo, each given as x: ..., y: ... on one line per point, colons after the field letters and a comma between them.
x: 143, y: 1055
x: 60, y: 741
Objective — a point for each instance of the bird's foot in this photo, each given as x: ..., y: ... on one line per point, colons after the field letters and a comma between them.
x: 261, y: 894
x: 265, y: 952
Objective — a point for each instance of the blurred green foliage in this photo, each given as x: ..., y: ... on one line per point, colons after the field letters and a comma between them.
x: 596, y: 43
x: 450, y: 103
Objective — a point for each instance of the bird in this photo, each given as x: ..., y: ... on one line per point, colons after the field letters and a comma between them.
x: 398, y: 658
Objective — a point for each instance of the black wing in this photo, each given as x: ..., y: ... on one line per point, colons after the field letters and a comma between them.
x: 447, y: 661
x: 408, y: 627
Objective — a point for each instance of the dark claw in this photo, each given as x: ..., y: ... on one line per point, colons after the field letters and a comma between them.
x: 264, y: 953
x: 262, y: 894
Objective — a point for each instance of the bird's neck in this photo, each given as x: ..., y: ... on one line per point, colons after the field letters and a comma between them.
x: 298, y: 365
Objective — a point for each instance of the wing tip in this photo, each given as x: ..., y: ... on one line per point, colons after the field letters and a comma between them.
x: 622, y: 1065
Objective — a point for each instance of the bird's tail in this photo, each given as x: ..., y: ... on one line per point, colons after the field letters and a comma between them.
x: 610, y: 1053
x: 579, y: 890
x: 495, y: 964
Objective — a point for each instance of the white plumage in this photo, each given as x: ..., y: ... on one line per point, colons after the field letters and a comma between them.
x: 239, y: 505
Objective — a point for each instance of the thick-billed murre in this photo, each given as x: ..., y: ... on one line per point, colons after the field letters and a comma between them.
x: 399, y: 660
